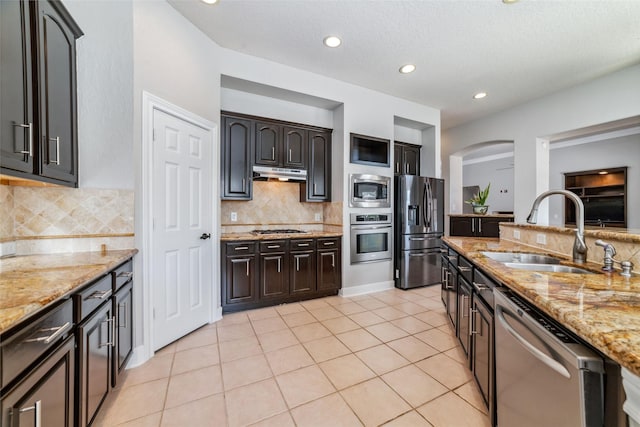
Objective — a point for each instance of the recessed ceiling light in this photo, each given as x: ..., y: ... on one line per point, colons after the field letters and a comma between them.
x: 603, y: 172
x: 480, y: 95
x: 332, y: 41
x: 210, y: 1
x: 406, y: 69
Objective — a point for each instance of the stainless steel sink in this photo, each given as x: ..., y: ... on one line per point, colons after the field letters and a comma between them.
x: 553, y: 268
x: 526, y: 258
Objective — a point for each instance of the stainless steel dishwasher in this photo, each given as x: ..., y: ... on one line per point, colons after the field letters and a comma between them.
x: 544, y: 377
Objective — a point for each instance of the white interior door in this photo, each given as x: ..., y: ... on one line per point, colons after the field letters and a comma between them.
x: 181, y: 274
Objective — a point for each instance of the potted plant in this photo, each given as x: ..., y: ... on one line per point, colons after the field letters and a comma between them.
x: 479, y: 201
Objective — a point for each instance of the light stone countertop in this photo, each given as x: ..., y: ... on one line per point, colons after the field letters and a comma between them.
x: 279, y: 236
x: 602, y: 309
x: 29, y: 283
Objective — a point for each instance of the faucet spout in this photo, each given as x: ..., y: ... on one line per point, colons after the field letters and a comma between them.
x: 579, y: 245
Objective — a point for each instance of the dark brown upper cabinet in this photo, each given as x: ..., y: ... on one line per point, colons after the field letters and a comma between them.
x: 406, y: 159
x: 237, y: 148
x: 39, y: 106
x: 280, y: 146
x: 318, y: 185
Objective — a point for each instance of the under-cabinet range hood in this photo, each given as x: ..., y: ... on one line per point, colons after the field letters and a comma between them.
x: 264, y: 173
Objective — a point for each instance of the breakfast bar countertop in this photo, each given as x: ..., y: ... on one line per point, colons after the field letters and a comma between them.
x: 28, y: 283
x: 602, y: 309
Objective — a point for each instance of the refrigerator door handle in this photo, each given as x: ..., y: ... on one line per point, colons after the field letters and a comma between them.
x: 428, y: 205
x: 425, y: 205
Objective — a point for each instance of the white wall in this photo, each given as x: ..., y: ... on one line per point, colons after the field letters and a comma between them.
x: 612, y: 97
x: 105, y: 93
x: 498, y: 172
x: 609, y: 153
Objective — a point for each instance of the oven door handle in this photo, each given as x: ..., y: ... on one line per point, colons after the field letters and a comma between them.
x: 370, y: 227
x: 550, y: 362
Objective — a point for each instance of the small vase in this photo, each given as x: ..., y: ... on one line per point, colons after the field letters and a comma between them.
x: 480, y: 209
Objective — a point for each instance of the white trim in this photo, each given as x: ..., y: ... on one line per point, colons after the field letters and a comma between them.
x: 595, y: 138
x: 487, y: 158
x: 369, y: 288
x: 150, y: 103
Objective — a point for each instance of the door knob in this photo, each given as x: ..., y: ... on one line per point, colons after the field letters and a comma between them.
x: 205, y: 236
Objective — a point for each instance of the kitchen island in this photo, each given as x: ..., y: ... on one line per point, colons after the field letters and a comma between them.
x: 603, y: 309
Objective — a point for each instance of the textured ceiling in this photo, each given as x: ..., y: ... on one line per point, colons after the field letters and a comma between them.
x: 515, y: 52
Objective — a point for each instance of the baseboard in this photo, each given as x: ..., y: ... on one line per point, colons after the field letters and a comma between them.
x: 138, y: 357
x: 217, y: 315
x: 369, y: 288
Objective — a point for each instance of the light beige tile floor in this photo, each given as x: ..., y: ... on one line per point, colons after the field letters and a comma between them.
x: 388, y: 358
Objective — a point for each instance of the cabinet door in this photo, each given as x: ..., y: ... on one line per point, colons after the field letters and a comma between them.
x: 95, y: 343
x: 268, y: 144
x: 488, y: 227
x: 318, y: 185
x: 57, y: 89
x: 46, y: 394
x: 294, y: 148
x: 123, y: 311
x: 397, y: 159
x: 329, y: 274
x: 464, y: 308
x: 16, y: 102
x: 240, y: 280
x: 482, y: 350
x: 303, y: 272
x: 274, y: 275
x: 461, y: 226
x: 411, y: 160
x: 237, y: 143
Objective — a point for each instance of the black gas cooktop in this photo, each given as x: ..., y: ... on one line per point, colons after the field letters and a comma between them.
x: 278, y: 231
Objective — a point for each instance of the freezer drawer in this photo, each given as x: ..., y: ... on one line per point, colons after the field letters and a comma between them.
x: 420, y: 241
x: 419, y: 268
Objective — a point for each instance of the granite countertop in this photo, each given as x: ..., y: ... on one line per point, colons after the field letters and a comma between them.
x: 28, y: 283
x: 602, y: 309
x: 252, y: 236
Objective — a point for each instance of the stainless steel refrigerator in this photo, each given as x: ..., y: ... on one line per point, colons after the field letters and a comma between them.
x: 419, y: 226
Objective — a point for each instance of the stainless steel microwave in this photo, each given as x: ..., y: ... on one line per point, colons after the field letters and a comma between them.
x: 369, y: 191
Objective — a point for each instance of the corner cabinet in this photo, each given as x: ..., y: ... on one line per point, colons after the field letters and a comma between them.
x: 259, y: 273
x: 38, y: 115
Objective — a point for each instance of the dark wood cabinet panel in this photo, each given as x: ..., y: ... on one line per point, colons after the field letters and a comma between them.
x: 328, y: 269
x: 268, y: 144
x: 464, y: 309
x: 295, y: 146
x: 482, y: 359
x: 42, y: 143
x: 449, y: 291
x: 406, y: 159
x: 469, y: 226
x: 274, y: 275
x: 123, y: 312
x: 318, y: 185
x: 241, y: 279
x: 302, y: 277
x: 46, y: 393
x: 237, y: 143
x: 16, y: 89
x: 462, y: 226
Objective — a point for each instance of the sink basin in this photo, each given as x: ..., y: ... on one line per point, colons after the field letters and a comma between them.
x: 524, y: 258
x: 553, y: 268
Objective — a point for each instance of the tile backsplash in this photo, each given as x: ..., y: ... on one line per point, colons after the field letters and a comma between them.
x: 277, y: 205
x: 53, y: 219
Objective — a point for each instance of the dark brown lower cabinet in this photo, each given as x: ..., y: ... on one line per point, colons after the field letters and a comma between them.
x: 482, y: 358
x: 46, y: 396
x: 464, y: 309
x: 261, y: 273
x: 123, y: 311
x: 95, y: 341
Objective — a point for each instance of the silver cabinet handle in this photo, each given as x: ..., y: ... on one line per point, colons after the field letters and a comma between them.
x: 297, y: 263
x: 124, y: 325
x: 406, y: 168
x: 289, y: 154
x: 473, y: 323
x: 303, y: 245
x: 462, y: 268
x: 481, y: 286
x: 127, y: 274
x: 333, y: 260
x: 241, y: 248
x: 110, y: 332
x: 452, y: 257
x: 100, y: 294
x: 273, y: 153
x: 278, y: 265
x: 398, y: 168
x: 30, y: 127
x: 329, y: 243
x: 473, y: 225
x: 464, y: 298
x: 37, y: 416
x: 58, y: 330
x: 57, y: 160
x: 247, y: 268
x: 315, y: 188
x: 479, y: 226
x: 244, y: 182
x: 273, y: 246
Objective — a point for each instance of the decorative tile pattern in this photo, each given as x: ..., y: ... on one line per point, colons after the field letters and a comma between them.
x: 6, y: 213
x: 271, y: 373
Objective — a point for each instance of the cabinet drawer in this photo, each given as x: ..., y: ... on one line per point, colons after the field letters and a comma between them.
x: 273, y: 246
x: 453, y: 257
x: 32, y: 341
x: 302, y: 244
x: 92, y: 297
x: 240, y: 248
x: 122, y: 275
x: 328, y: 243
x: 465, y: 268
